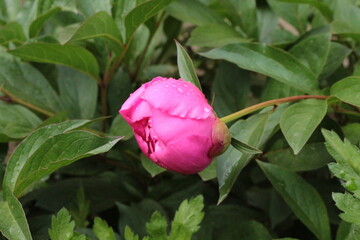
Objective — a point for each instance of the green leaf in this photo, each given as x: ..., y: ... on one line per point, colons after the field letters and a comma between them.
x: 209, y: 172
x: 89, y: 8
x: 352, y: 132
x: 320, y: 6
x: 344, y: 152
x: 78, y: 93
x: 300, y: 120
x: 25, y: 84
x: 150, y: 166
x: 245, y: 230
x: 301, y: 197
x: 62, y: 227
x: 193, y: 11
x: 129, y: 235
x: 12, y: 32
x: 48, y: 140
x: 157, y: 227
x: 13, y: 223
x: 269, y: 61
x: 100, y: 24
x: 187, y: 219
x: 68, y: 55
x: 186, y: 67
x: 312, y: 156
x: 347, y: 90
x: 102, y: 230
x: 119, y: 127
x: 349, y: 205
x: 142, y: 13
x: 38, y: 23
x: 16, y: 121
x: 347, y: 231
x: 243, y: 147
x: 214, y: 36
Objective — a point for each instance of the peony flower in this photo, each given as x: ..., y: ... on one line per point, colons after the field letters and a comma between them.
x: 174, y: 125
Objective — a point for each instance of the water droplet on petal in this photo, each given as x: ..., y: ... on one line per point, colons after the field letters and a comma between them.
x: 180, y: 90
x: 206, y: 110
x: 166, y: 85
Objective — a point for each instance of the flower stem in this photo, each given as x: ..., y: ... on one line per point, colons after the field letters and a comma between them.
x: 262, y: 105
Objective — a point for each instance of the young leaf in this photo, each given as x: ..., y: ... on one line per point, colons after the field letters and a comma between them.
x: 102, y: 230
x: 186, y: 67
x: 129, y: 235
x: 243, y: 147
x: 301, y: 197
x: 142, y: 13
x: 69, y: 55
x: 157, y: 227
x: 269, y: 61
x: 12, y: 32
x: 62, y: 227
x: 37, y: 24
x: 13, y: 223
x: 347, y: 90
x: 187, y: 219
x: 300, y: 120
x: 349, y: 205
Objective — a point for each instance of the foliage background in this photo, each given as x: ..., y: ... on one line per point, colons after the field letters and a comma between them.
x: 67, y: 64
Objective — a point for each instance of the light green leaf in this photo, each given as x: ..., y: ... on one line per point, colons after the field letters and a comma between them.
x: 214, y: 36
x: 68, y: 55
x: 300, y: 120
x: 12, y: 32
x: 301, y: 197
x: 347, y: 231
x: 13, y: 223
x: 193, y: 11
x: 209, y: 172
x: 62, y: 227
x: 16, y: 121
x: 150, y: 166
x: 187, y: 219
x: 352, y: 132
x: 21, y: 165
x: 186, y: 67
x: 320, y: 6
x: 350, y: 179
x: 102, y: 230
x: 269, y: 61
x: 78, y: 93
x: 129, y: 235
x: 142, y: 13
x: 38, y: 23
x: 157, y: 227
x: 349, y: 205
x: 89, y: 8
x: 100, y: 24
x: 243, y: 147
x: 347, y: 90
x: 26, y: 84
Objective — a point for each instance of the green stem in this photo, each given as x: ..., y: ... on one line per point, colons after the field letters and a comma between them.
x: 262, y: 105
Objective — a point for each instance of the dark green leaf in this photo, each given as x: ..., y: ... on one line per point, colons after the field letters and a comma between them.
x: 193, y: 11
x: 347, y: 90
x: 267, y: 60
x: 186, y: 67
x: 300, y: 120
x: 12, y: 32
x: 119, y: 127
x: 320, y: 6
x: 214, y: 36
x: 142, y: 13
x: 37, y: 24
x: 243, y: 147
x: 69, y: 55
x: 349, y: 205
x: 100, y: 24
x: 301, y: 197
x: 62, y: 227
x: 102, y: 230
x: 245, y: 230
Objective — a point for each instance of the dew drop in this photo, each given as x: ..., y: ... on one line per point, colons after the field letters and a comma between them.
x: 206, y: 110
x: 180, y: 90
x: 166, y: 85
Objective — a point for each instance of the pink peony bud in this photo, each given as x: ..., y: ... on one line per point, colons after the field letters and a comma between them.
x: 174, y: 125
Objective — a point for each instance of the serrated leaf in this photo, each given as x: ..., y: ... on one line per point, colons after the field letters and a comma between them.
x: 129, y: 235
x: 269, y: 61
x: 347, y: 90
x: 347, y: 231
x: 243, y: 147
x: 157, y: 227
x: 102, y: 230
x: 37, y: 24
x: 101, y: 24
x: 62, y: 227
x: 320, y: 6
x: 142, y: 13
x: 12, y: 32
x: 150, y: 166
x: 13, y: 223
x: 186, y: 67
x: 300, y: 120
x: 301, y: 197
x: 349, y: 205
x: 68, y: 55
x: 187, y: 219
x: 214, y: 36
x: 38, y: 141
